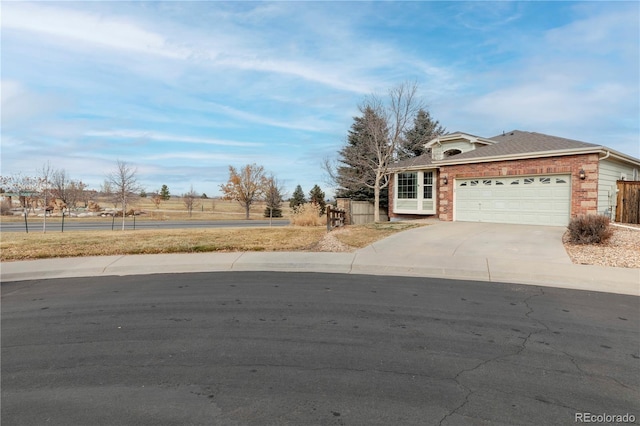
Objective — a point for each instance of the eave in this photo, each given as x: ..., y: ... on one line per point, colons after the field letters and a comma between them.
x: 540, y: 154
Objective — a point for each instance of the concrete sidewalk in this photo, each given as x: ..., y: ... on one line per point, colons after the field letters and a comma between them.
x: 471, y: 252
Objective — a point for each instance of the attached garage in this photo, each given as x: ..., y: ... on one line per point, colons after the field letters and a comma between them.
x: 532, y: 200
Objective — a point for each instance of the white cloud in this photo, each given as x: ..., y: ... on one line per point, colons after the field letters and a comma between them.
x: 543, y: 103
x: 310, y: 124
x: 20, y: 105
x: 86, y: 28
x: 158, y: 136
x: 193, y: 156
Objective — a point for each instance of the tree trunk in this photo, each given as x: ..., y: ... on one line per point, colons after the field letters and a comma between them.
x: 44, y: 222
x: 376, y: 201
x: 124, y: 207
x: 246, y: 210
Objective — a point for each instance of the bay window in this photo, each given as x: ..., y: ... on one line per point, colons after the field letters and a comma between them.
x: 414, y: 192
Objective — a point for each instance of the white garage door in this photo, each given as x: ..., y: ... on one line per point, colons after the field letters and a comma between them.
x: 533, y: 200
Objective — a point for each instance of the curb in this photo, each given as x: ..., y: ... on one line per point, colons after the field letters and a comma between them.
x: 559, y: 275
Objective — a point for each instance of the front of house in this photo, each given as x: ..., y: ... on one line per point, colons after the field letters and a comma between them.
x: 517, y: 177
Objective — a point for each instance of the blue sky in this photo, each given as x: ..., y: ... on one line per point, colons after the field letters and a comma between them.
x: 182, y: 90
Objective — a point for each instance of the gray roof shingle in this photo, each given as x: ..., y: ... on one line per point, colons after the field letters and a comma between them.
x: 510, y: 143
x: 519, y: 142
x: 422, y: 160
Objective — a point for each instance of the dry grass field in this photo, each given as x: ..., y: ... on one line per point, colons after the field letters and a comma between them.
x: 204, y: 209
x: 362, y: 235
x: 19, y: 246
x: 175, y: 209
x: 36, y: 245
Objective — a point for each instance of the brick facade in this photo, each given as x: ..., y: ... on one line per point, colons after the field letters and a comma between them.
x: 584, y: 193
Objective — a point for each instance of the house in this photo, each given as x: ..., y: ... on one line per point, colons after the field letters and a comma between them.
x: 516, y: 177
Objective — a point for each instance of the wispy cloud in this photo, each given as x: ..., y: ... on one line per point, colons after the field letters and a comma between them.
x: 156, y: 136
x: 86, y: 28
x: 309, y: 124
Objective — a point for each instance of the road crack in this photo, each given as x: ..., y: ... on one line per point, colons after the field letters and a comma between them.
x: 468, y: 390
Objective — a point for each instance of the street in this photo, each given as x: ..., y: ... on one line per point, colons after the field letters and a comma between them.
x: 55, y: 224
x: 262, y: 348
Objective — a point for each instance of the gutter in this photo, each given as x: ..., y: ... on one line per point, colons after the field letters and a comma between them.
x: 540, y: 154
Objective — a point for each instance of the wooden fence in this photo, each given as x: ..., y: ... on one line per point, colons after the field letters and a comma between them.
x: 628, y: 205
x: 335, y: 218
x: 359, y: 212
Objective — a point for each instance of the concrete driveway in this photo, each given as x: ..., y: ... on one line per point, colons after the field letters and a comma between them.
x: 485, y: 240
x: 479, y: 251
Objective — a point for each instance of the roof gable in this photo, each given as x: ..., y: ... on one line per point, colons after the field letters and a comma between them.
x: 455, y: 136
x: 519, y: 142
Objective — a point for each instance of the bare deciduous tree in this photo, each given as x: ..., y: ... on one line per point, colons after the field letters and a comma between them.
x: 44, y: 181
x: 245, y: 186
x: 380, y: 130
x: 60, y: 185
x: 156, y: 199
x: 70, y: 192
x: 124, y: 183
x: 76, y: 192
x: 190, y: 200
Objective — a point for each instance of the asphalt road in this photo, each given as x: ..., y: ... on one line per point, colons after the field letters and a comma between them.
x: 55, y: 224
x: 313, y: 349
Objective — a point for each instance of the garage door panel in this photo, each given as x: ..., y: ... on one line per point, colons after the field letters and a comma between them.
x: 543, y: 200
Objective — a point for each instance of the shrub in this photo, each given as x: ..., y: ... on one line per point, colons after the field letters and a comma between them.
x: 307, y: 215
x: 275, y: 212
x: 589, y: 229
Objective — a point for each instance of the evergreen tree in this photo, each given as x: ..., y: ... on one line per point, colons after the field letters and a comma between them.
x: 424, y: 129
x: 164, y: 193
x: 297, y: 198
x: 316, y: 196
x: 273, y: 197
x: 355, y: 179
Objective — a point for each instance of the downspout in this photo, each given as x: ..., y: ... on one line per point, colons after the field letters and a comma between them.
x: 611, y: 212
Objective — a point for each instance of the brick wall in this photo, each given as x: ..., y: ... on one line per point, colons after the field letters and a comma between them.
x: 584, y: 193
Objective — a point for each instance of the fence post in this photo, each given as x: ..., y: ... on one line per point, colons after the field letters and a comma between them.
x: 329, y: 218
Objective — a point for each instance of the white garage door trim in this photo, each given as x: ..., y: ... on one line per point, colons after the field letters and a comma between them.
x: 530, y: 200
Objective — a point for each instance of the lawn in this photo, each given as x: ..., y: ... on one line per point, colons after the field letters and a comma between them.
x: 37, y: 245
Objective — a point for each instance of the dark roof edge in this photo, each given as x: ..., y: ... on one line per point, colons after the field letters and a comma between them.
x: 599, y: 149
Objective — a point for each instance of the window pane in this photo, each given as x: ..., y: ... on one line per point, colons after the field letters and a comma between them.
x: 407, y: 185
x: 428, y: 178
x: 428, y: 192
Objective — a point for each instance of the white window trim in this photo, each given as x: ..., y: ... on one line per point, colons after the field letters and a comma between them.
x: 420, y: 193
